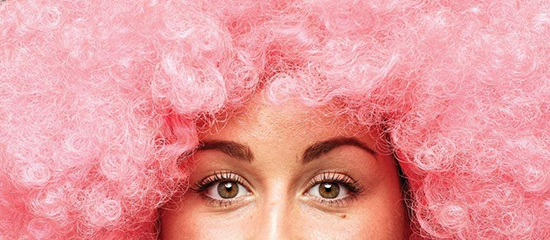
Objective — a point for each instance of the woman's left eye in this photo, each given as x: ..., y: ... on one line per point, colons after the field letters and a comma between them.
x: 226, y: 190
x: 329, y: 190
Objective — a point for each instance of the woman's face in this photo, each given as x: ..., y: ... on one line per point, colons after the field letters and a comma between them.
x: 288, y: 172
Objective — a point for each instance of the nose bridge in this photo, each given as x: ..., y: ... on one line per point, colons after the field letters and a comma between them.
x: 276, y: 215
x: 276, y: 219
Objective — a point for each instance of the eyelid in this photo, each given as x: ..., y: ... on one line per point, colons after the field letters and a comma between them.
x: 338, y: 177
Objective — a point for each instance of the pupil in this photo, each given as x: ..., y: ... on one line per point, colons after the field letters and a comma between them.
x: 228, y: 189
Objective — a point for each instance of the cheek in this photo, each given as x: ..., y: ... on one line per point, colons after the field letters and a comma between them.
x: 362, y: 222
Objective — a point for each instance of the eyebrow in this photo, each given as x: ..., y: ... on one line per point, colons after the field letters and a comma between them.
x: 242, y: 152
x: 321, y: 148
x: 233, y: 149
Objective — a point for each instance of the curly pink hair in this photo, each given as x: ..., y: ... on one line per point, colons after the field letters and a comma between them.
x: 99, y: 98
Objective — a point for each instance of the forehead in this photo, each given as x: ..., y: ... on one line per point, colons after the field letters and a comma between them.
x: 261, y: 118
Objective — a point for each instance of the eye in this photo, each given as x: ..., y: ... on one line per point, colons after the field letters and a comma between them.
x: 223, y: 189
x: 333, y: 189
x: 329, y: 190
x: 226, y: 190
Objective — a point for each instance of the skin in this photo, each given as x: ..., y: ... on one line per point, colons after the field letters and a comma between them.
x: 277, y: 201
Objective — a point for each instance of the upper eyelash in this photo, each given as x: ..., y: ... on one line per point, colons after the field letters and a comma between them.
x: 338, y: 177
x: 203, y: 184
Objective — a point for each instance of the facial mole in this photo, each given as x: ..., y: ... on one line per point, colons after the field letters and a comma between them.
x: 343, y: 216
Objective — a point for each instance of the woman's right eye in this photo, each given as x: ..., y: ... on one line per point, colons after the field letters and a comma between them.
x: 226, y: 190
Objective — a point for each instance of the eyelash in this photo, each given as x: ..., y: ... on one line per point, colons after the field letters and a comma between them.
x: 354, y: 187
x: 333, y: 177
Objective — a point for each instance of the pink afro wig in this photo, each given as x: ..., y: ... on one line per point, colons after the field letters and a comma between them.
x: 99, y: 98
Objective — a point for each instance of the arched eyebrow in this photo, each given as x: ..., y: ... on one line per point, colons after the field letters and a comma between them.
x: 233, y: 149
x: 321, y: 148
x: 243, y: 152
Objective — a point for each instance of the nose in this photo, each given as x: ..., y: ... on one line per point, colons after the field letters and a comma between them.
x: 274, y: 220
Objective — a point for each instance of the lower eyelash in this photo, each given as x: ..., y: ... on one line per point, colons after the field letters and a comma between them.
x: 342, y: 202
x: 220, y: 203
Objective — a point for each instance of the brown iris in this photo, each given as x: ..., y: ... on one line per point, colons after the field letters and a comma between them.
x: 228, y: 189
x: 329, y: 190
